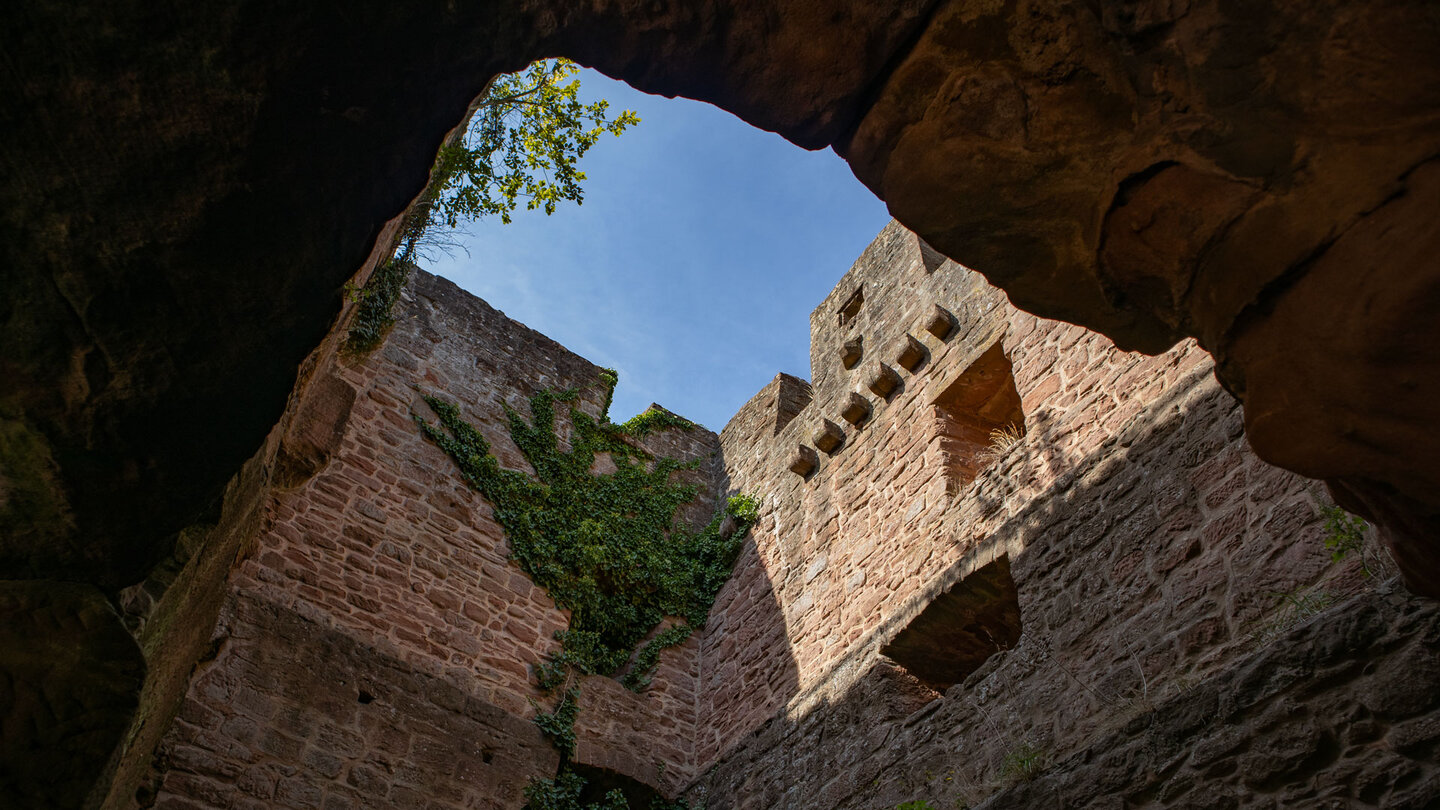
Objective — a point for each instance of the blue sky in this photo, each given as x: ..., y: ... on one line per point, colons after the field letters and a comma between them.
x: 693, y: 264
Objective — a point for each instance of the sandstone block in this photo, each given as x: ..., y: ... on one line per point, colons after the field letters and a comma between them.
x: 882, y: 380
x: 940, y: 323
x: 911, y: 353
x: 856, y: 410
x: 852, y: 351
x: 828, y: 436
x: 804, y: 461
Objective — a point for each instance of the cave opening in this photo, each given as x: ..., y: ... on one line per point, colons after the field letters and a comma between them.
x: 693, y: 265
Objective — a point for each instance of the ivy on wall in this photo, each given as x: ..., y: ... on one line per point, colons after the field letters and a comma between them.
x: 376, y: 299
x: 606, y: 547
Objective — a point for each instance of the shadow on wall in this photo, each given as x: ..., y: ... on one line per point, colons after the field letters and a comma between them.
x: 747, y: 667
x: 1147, y: 661
x: 295, y: 713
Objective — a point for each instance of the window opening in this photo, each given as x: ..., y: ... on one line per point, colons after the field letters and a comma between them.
x: 931, y: 258
x: 600, y: 781
x: 978, y: 417
x: 958, y: 632
x: 852, y: 306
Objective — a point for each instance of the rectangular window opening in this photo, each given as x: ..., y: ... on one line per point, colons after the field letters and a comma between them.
x: 961, y: 629
x: 978, y: 417
x: 852, y: 307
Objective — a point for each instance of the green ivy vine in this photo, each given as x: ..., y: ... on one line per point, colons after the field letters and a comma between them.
x: 376, y: 299
x: 606, y: 547
x: 558, y: 725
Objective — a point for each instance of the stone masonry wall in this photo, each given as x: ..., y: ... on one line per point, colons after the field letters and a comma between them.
x: 376, y: 645
x: 1158, y: 567
x: 1122, y: 607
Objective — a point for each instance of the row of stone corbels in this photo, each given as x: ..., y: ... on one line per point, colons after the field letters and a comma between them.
x: 882, y: 380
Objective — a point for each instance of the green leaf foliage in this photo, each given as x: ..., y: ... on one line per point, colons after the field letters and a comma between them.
x: 559, y: 725
x: 652, y: 420
x: 563, y: 793
x: 605, y: 547
x: 1023, y: 763
x: 639, y: 677
x: 565, y: 790
x: 372, y: 317
x: 523, y: 145
x: 1344, y: 532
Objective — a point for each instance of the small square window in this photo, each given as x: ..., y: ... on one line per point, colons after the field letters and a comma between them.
x: 852, y: 307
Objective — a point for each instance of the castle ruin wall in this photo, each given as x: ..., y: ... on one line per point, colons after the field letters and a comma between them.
x: 997, y: 557
x: 1133, y: 567
x: 377, y: 642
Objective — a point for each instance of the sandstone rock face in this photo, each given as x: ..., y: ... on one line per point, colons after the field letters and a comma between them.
x: 1341, y: 375
x: 806, y: 70
x: 1147, y: 169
